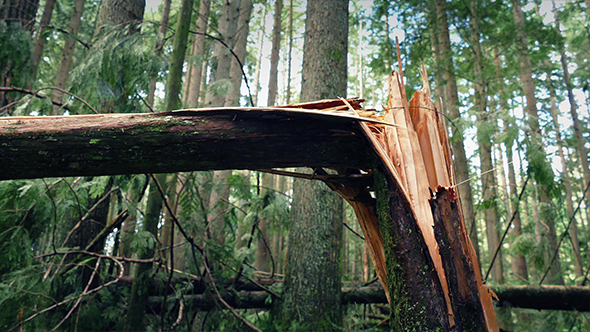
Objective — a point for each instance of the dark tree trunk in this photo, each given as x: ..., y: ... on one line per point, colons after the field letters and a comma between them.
x: 313, y: 272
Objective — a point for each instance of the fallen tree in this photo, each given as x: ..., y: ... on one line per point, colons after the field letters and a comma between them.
x: 255, y: 294
x: 573, y: 298
x: 414, y: 227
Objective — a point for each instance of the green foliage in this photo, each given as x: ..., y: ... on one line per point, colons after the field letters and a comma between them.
x: 116, y: 71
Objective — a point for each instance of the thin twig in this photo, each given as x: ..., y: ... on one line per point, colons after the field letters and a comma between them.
x: 81, y: 295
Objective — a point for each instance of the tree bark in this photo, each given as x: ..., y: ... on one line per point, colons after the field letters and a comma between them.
x: 198, y: 51
x: 274, y: 55
x: 518, y: 261
x: 124, y: 12
x: 537, y: 158
x: 446, y: 71
x: 178, y: 141
x: 228, y: 23
x: 485, y: 131
x: 313, y: 271
x: 40, y: 40
x: 235, y: 73
x: 67, y: 55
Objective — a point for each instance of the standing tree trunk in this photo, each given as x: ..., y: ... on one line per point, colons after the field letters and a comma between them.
x: 235, y: 73
x: 161, y: 37
x: 519, y: 265
x: 142, y: 277
x: 228, y: 23
x: 40, y: 41
x: 290, y: 53
x: 117, y: 13
x: 577, y: 129
x: 262, y: 261
x: 446, y: 73
x: 485, y: 129
x: 67, y: 55
x: 274, y: 55
x: 260, y: 47
x: 538, y: 165
x: 573, y: 229
x: 198, y: 51
x: 313, y: 271
x: 142, y: 280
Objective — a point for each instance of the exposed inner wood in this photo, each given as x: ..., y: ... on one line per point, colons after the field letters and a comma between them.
x: 409, y: 140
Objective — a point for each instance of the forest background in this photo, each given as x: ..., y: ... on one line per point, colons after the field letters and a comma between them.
x: 120, y: 252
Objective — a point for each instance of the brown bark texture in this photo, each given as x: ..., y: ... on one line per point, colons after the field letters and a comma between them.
x: 538, y: 164
x: 205, y: 139
x: 67, y: 55
x: 446, y: 75
x: 198, y: 56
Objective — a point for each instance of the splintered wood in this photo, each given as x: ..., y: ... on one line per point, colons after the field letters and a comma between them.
x: 413, y: 145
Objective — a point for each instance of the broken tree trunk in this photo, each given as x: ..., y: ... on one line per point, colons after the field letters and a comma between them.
x: 414, y: 228
x: 186, y: 140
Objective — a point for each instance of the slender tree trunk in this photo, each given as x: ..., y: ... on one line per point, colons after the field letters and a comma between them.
x: 159, y: 45
x: 235, y: 74
x: 263, y: 238
x: 538, y: 164
x: 260, y: 47
x: 40, y: 41
x: 290, y: 53
x: 142, y: 280
x: 174, y: 84
x: 67, y: 55
x: 485, y: 130
x: 518, y: 261
x: 573, y: 229
x: 198, y: 51
x: 274, y: 55
x: 228, y: 23
x: 446, y: 71
x: 142, y: 277
x: 313, y: 272
x: 577, y: 128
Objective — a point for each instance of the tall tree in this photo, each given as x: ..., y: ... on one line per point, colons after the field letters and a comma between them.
x: 198, y: 52
x: 576, y: 126
x: 142, y: 280
x: 235, y: 72
x: 538, y: 165
x: 274, y: 55
x: 40, y: 39
x: 228, y: 24
x: 485, y: 130
x: 17, y: 19
x: 519, y: 265
x: 67, y: 56
x: 446, y: 74
x: 313, y: 272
